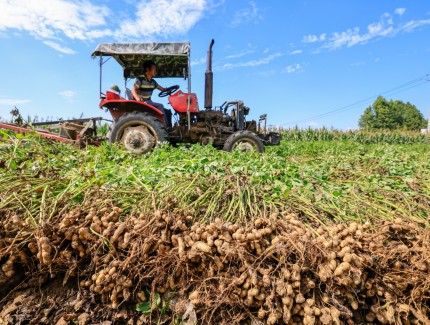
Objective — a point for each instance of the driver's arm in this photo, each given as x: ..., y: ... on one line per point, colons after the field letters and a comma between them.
x: 134, y: 92
x: 161, y: 88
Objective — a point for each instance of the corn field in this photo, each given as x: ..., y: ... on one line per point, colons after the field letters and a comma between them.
x: 360, y: 136
x: 330, y: 227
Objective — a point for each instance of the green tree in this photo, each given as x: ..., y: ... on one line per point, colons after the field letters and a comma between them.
x: 412, y: 119
x: 391, y: 115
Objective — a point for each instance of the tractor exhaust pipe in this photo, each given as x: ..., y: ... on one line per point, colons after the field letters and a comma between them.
x: 209, y: 79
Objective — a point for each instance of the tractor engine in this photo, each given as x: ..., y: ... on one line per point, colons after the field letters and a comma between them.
x: 206, y: 127
x: 212, y: 126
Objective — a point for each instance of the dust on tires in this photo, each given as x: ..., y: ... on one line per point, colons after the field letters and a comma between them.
x: 138, y: 132
x: 244, y: 141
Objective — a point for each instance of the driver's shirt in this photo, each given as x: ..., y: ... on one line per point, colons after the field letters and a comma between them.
x: 145, y: 87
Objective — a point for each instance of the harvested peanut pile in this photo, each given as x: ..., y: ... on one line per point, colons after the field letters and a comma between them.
x: 168, y: 268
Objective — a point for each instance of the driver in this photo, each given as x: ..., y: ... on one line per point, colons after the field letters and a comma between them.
x: 144, y: 86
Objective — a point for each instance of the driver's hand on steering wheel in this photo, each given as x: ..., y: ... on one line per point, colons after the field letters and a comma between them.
x: 168, y: 91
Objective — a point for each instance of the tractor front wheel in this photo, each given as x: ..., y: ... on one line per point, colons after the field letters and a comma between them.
x: 138, y: 132
x: 244, y: 141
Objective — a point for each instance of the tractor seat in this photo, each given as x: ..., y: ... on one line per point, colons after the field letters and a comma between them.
x: 180, y: 104
x: 129, y: 94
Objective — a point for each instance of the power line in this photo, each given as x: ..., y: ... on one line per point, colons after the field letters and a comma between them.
x: 403, y: 87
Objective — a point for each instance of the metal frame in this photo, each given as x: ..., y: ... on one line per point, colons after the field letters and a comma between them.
x: 103, y: 96
x: 80, y: 137
x: 45, y: 134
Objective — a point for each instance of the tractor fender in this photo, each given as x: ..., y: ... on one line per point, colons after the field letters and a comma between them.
x: 118, y: 107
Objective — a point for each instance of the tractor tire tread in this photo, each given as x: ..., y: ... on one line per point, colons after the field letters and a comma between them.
x: 233, y: 138
x: 159, y: 127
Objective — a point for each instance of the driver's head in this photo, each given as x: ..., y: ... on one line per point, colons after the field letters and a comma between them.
x: 149, y: 66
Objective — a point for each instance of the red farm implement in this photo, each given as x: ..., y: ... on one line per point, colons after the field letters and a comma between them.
x: 76, y: 131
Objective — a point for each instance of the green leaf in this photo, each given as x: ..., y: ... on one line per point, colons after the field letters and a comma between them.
x: 144, y: 307
x: 13, y: 165
x: 337, y: 193
x: 157, y: 300
x: 4, y: 135
x: 286, y: 192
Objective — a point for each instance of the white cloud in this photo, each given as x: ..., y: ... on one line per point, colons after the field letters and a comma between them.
x: 59, y: 48
x: 314, y: 38
x: 292, y: 68
x: 400, y: 11
x: 313, y: 125
x: 350, y: 37
x: 163, y: 17
x: 13, y: 102
x: 353, y: 36
x: 240, y: 54
x: 98, y: 33
x: 310, y: 39
x: 385, y: 27
x: 295, y: 52
x: 69, y: 95
x: 52, y: 19
x: 202, y: 60
x: 414, y: 24
x: 246, y: 15
x: 252, y: 63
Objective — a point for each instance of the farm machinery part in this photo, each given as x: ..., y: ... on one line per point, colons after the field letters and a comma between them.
x: 74, y: 131
x: 139, y: 126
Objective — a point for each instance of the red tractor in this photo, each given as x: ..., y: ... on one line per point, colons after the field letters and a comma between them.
x: 140, y: 127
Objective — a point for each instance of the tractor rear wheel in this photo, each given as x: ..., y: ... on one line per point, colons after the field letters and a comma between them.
x: 138, y: 132
x: 244, y: 141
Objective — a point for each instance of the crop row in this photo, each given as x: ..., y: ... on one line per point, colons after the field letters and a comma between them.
x: 338, y: 180
x: 360, y: 136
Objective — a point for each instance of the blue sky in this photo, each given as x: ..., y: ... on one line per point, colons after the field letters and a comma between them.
x: 304, y: 62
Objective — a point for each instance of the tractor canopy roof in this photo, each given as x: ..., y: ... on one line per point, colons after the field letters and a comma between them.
x: 171, y: 59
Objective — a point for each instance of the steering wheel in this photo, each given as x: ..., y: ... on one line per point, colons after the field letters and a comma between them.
x: 168, y: 91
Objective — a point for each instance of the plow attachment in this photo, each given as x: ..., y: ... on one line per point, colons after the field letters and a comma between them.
x: 77, y: 131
